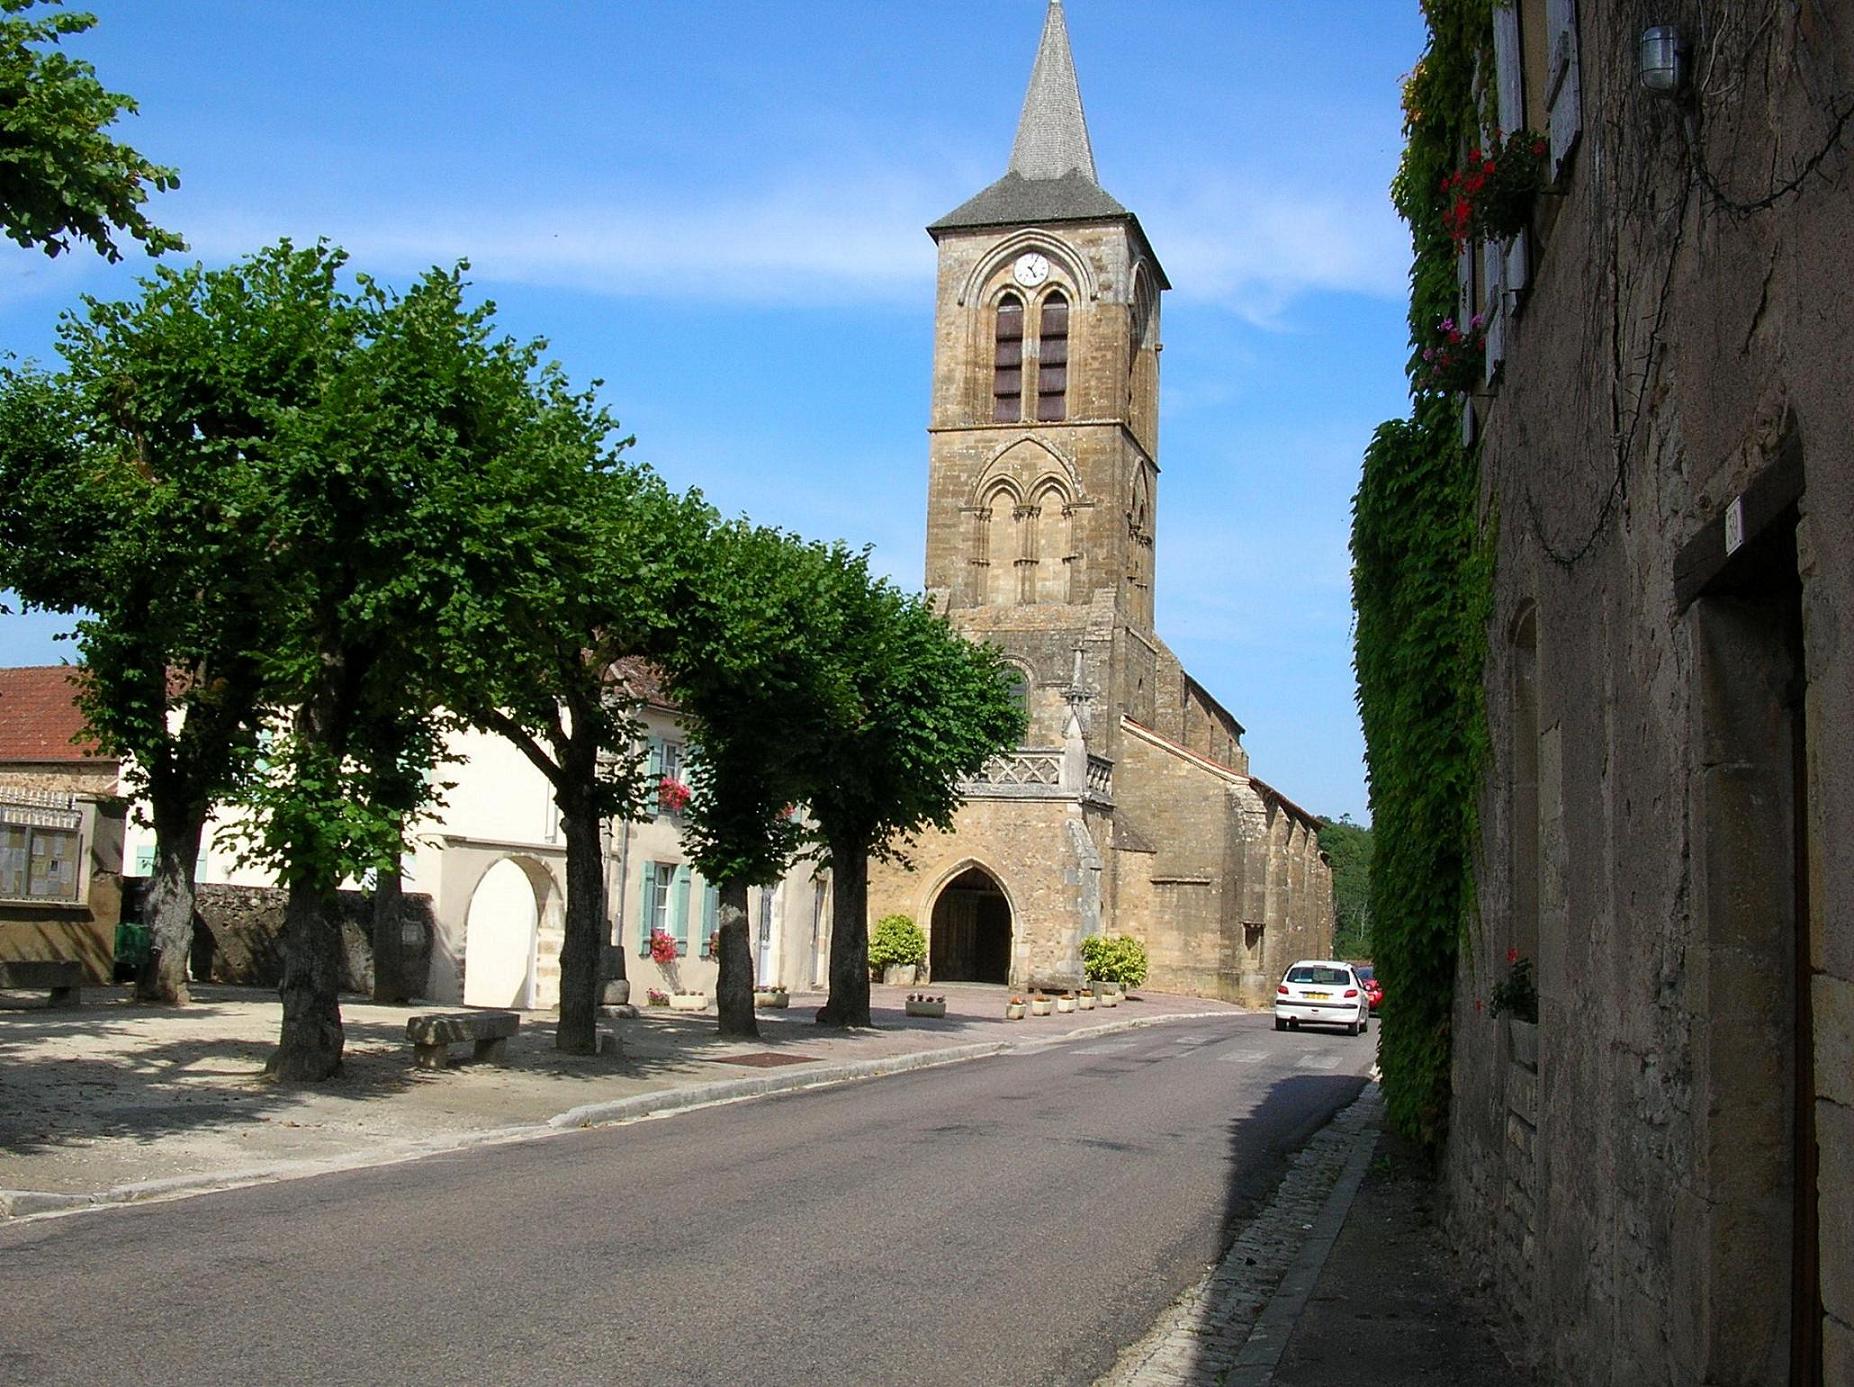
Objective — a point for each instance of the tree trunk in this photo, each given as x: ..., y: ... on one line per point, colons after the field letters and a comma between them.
x: 389, y: 954
x: 734, y: 983
x: 167, y: 907
x: 583, y: 947
x: 309, y: 1048
x: 849, y: 934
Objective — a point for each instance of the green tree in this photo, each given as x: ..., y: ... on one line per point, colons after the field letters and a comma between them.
x: 607, y: 547
x: 754, y: 659
x: 928, y: 709
x: 131, y: 485
x: 1348, y: 847
x: 397, y: 505
x: 61, y: 175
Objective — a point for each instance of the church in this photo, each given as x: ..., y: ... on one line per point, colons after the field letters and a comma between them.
x: 1130, y: 809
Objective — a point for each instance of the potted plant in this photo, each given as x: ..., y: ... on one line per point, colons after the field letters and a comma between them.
x: 672, y: 795
x: 1066, y: 1002
x: 1116, y: 960
x: 1041, y: 1005
x: 688, y: 1001
x: 897, y: 948
x: 773, y: 996
x: 1084, y: 1000
x: 1493, y: 193
x: 661, y: 948
x: 656, y: 997
x: 1516, y: 996
x: 1014, y: 1009
x: 1454, y: 359
x: 920, y: 1004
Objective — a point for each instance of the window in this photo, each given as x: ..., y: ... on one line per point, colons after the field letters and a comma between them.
x: 1007, y: 376
x: 1052, y: 354
x: 1019, y: 684
x: 665, y: 905
x: 38, y: 863
x: 665, y: 762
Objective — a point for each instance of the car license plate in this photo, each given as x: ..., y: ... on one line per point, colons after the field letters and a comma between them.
x: 1317, y: 996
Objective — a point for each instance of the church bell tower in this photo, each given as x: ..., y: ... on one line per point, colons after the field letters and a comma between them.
x: 1043, y: 469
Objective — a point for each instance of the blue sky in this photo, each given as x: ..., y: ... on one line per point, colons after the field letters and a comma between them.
x: 717, y: 209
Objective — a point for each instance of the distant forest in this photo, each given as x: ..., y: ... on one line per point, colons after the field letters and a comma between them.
x: 1349, y: 846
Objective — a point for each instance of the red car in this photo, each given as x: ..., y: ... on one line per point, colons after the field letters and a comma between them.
x: 1373, y: 988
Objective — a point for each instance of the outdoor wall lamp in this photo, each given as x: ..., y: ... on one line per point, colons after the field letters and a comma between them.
x: 1662, y: 61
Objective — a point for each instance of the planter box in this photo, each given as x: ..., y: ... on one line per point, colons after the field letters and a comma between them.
x: 1013, y: 1011
x: 1108, y: 999
x: 927, y: 1008
x: 1085, y: 1001
x: 1042, y: 1007
x: 900, y: 974
x: 771, y: 998
x: 1523, y: 1037
x: 688, y: 1001
x: 1065, y: 1004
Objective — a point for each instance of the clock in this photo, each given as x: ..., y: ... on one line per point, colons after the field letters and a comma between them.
x: 1031, y: 269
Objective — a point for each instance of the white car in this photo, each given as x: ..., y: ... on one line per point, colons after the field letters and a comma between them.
x: 1325, y: 992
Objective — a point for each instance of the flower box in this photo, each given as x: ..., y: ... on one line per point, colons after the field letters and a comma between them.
x: 1013, y: 1011
x: 774, y: 998
x: 926, y: 1006
x: 688, y: 1001
x: 1041, y: 1006
x: 1065, y: 1004
x: 1085, y: 1001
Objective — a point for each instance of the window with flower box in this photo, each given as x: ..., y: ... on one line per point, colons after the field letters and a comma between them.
x: 665, y: 905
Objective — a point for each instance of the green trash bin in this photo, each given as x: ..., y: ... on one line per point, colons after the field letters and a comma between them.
x: 133, y: 946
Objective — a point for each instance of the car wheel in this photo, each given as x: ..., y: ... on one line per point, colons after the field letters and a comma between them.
x: 1355, y: 1027
x: 1364, y: 1024
x: 1280, y: 1025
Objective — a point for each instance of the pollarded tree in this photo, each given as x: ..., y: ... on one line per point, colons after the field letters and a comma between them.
x: 61, y: 175
x: 929, y: 709
x: 754, y: 657
x: 607, y: 545
x: 396, y: 503
x: 132, y: 491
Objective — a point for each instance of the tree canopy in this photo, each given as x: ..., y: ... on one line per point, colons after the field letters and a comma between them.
x: 61, y: 175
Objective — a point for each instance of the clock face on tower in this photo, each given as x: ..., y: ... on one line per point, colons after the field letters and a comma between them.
x: 1031, y: 269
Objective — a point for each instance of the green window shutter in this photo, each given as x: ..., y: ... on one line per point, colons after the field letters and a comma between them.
x: 679, y: 910
x: 647, y: 906
x: 711, y: 910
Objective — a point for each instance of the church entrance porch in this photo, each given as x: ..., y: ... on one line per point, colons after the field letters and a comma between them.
x: 970, y: 935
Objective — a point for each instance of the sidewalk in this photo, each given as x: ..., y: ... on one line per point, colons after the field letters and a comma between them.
x: 113, y: 1101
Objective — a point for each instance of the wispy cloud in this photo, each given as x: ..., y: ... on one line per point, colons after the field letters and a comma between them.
x: 849, y: 237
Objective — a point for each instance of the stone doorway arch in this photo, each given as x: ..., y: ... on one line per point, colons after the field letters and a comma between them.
x: 971, y: 935
x: 512, y: 902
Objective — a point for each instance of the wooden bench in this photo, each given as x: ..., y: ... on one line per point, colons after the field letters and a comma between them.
x: 62, y: 978
x: 432, y: 1036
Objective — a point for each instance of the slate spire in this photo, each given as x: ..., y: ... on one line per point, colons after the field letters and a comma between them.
x: 1052, y: 133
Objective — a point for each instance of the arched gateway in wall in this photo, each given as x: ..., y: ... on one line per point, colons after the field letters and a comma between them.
x: 970, y: 937
x: 503, y: 965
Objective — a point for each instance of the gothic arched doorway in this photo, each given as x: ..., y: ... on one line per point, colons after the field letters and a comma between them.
x: 971, y: 930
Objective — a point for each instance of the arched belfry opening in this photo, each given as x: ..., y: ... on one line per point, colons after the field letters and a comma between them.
x: 971, y: 930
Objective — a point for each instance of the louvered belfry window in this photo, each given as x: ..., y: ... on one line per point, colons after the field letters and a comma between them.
x: 1052, y: 351
x: 1007, y: 384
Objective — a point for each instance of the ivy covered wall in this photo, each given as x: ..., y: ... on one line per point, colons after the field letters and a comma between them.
x: 1421, y: 583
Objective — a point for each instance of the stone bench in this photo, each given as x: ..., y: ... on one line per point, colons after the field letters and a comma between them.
x: 489, y: 1031
x: 62, y: 978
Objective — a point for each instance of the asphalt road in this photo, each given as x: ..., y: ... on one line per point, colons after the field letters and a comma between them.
x: 1013, y: 1220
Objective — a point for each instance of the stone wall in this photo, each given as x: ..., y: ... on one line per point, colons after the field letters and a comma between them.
x: 238, y: 934
x: 1670, y: 690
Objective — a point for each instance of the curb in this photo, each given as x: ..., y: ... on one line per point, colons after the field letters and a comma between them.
x: 22, y: 1204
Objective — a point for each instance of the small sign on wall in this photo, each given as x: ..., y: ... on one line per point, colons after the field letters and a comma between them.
x: 1734, y: 526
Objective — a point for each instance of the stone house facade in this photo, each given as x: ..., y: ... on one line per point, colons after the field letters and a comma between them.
x: 1130, y: 808
x: 61, y: 827
x: 1665, y: 1191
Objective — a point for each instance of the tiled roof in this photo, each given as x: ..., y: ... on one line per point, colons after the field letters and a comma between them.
x: 643, y: 681
x: 39, y: 720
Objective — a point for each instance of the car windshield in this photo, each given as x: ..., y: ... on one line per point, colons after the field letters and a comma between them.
x: 1329, y: 976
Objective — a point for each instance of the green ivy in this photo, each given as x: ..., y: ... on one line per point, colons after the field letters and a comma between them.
x: 1422, y: 590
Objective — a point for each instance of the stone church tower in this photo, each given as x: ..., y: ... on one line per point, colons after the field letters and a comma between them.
x: 1130, y: 808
